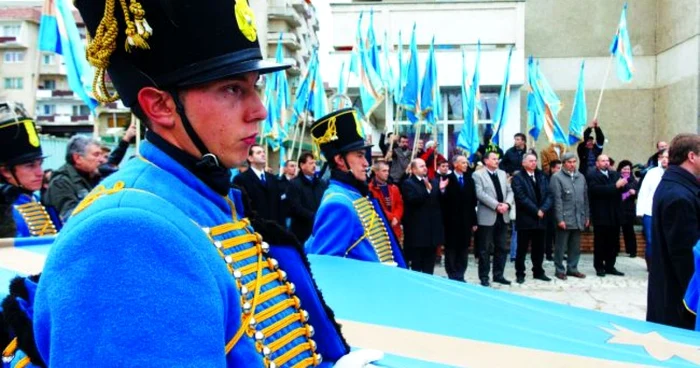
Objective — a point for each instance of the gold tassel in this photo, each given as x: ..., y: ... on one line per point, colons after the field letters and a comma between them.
x: 99, y: 51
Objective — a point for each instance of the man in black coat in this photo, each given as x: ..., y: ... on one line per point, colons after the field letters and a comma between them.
x: 605, y: 189
x: 513, y: 158
x: 422, y: 220
x: 261, y: 187
x: 459, y: 217
x: 589, y: 150
x: 289, y: 172
x: 675, y: 230
x: 304, y: 195
x: 532, y: 202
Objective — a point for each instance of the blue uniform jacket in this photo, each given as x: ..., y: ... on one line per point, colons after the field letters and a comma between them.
x: 141, y: 275
x: 338, y: 227
x: 23, y: 229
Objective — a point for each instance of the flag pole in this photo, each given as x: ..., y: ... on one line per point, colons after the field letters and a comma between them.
x: 415, y: 140
x: 301, y: 138
x: 602, y: 88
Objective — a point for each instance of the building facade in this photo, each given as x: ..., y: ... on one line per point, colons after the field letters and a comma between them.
x: 660, y: 102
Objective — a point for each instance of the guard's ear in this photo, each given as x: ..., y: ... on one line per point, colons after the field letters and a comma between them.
x: 158, y: 106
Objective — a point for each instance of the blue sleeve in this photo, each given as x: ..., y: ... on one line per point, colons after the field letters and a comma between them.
x: 334, y: 229
x: 126, y: 284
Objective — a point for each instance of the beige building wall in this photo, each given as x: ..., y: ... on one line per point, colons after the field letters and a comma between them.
x: 661, y: 101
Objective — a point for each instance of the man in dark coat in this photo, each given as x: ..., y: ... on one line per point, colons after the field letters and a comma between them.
x: 605, y: 189
x: 304, y: 195
x: 675, y: 230
x: 289, y: 172
x: 262, y: 187
x: 532, y: 202
x: 422, y: 220
x: 513, y: 158
x: 589, y: 150
x: 459, y: 218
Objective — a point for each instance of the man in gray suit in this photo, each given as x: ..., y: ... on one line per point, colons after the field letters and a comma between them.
x: 495, y: 199
x: 571, y: 211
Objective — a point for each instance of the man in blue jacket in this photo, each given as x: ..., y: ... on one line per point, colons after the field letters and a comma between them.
x: 163, y: 265
x: 349, y: 222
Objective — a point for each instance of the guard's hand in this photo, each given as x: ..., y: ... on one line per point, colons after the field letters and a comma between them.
x: 633, y: 192
x: 562, y: 225
x: 474, y: 228
x: 443, y: 183
x: 540, y: 214
x: 359, y: 358
x: 394, y: 222
x: 588, y: 223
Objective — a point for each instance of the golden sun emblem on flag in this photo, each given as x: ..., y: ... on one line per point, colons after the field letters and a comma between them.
x: 246, y: 20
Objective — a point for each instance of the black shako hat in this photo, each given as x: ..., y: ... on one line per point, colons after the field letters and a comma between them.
x: 169, y: 44
x: 338, y: 132
x: 18, y: 137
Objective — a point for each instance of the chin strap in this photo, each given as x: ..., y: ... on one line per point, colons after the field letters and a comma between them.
x: 208, y: 159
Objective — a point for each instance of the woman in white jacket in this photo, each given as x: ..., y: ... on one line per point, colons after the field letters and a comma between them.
x: 646, y: 198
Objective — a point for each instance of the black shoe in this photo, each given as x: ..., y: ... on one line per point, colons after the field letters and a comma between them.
x: 550, y: 258
x: 600, y: 273
x: 633, y: 255
x: 615, y: 272
x: 520, y: 279
x: 485, y: 283
x: 542, y: 278
x: 502, y: 280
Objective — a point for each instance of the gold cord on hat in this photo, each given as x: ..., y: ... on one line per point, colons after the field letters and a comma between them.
x: 330, y: 135
x: 101, y: 47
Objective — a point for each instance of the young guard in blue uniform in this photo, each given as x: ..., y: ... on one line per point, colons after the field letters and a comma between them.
x: 21, y: 177
x: 159, y: 266
x: 349, y: 223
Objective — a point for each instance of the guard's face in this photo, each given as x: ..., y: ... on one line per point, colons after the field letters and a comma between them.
x: 358, y: 164
x: 225, y: 114
x: 30, y: 175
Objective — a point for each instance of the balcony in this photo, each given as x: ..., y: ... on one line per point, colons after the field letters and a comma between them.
x: 283, y: 10
x: 56, y: 94
x: 53, y: 69
x: 289, y: 40
x: 56, y: 119
x: 299, y: 5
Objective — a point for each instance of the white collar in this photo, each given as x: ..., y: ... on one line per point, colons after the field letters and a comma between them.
x: 257, y: 172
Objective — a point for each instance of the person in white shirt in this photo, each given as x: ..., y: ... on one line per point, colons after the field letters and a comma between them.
x: 646, y: 196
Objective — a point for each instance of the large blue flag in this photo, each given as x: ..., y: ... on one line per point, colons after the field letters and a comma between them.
x: 622, y: 49
x: 543, y: 106
x: 301, y: 97
x: 464, y: 138
x: 400, y: 81
x: 271, y: 125
x: 429, y: 87
x: 58, y: 33
x: 410, y: 98
x: 388, y: 72
x: 500, y: 117
x: 372, y: 46
x: 371, y: 87
x: 579, y: 117
x: 318, y: 102
x: 339, y: 103
x: 281, y: 83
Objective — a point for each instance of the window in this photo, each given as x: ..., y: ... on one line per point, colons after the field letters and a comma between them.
x: 49, y: 84
x: 81, y: 110
x: 12, y: 57
x: 11, y: 30
x: 48, y: 59
x: 46, y: 110
x: 14, y: 83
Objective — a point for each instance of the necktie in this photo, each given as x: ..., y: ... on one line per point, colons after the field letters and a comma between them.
x: 262, y: 178
x: 461, y: 181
